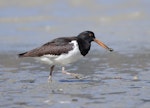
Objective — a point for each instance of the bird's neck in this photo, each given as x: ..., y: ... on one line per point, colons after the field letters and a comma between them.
x: 84, y: 46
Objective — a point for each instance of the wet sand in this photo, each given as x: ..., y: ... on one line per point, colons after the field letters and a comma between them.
x: 119, y: 79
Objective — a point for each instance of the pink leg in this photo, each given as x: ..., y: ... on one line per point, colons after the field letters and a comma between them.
x: 72, y: 74
x: 51, y: 72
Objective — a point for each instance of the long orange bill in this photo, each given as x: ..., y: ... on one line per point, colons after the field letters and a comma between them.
x: 102, y: 44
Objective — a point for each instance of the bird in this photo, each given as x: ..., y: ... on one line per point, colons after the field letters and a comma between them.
x: 64, y: 50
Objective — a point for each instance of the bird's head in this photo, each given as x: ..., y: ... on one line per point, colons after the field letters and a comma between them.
x: 89, y: 36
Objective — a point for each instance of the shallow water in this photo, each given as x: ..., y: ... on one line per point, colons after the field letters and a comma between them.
x: 118, y: 79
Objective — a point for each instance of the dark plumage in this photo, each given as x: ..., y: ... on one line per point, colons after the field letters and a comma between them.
x: 64, y: 50
x: 55, y: 47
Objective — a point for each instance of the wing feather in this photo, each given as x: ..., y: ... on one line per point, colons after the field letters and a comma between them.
x: 55, y: 47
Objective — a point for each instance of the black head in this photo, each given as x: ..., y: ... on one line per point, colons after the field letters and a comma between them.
x: 87, y: 35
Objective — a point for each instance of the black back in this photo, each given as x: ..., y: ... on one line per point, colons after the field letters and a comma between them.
x: 55, y: 47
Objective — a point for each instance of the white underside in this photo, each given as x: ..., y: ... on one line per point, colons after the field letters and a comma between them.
x: 63, y: 59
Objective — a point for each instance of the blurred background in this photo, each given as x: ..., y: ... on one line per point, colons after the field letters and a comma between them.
x: 112, y: 80
x: 29, y: 23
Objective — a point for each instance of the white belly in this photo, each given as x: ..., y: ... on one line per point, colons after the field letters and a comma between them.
x: 63, y: 59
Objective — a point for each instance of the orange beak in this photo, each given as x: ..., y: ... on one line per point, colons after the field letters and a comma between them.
x: 102, y: 44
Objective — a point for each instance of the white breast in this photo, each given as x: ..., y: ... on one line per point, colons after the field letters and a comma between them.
x: 71, y: 56
x: 63, y: 59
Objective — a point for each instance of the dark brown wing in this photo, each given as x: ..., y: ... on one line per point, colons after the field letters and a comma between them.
x: 55, y: 47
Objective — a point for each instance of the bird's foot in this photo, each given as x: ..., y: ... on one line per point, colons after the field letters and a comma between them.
x: 72, y: 74
x: 77, y: 76
x: 50, y: 78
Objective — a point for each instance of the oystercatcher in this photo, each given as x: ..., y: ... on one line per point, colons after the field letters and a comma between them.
x: 64, y: 50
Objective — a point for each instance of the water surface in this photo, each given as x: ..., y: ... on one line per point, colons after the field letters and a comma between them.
x: 119, y: 79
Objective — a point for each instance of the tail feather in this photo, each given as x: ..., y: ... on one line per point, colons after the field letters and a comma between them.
x: 22, y: 54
